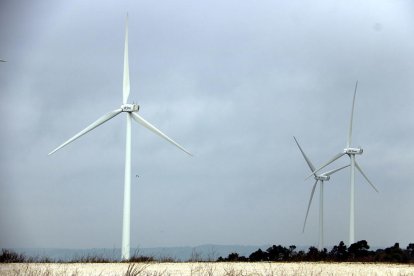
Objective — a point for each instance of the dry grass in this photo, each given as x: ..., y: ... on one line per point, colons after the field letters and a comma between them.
x: 204, y: 269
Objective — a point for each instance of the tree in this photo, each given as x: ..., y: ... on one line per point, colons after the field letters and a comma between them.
x: 395, y: 253
x: 300, y: 256
x: 278, y: 253
x: 359, y: 250
x: 234, y: 257
x: 339, y: 253
x: 410, y: 251
x: 258, y: 256
x: 292, y: 252
x: 313, y: 254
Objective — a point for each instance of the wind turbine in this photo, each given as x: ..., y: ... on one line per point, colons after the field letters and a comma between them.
x: 351, y: 152
x: 318, y: 177
x: 131, y: 111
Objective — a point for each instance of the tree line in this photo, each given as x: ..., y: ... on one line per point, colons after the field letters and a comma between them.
x: 356, y: 252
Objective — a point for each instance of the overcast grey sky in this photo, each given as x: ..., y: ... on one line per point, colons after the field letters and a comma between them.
x: 232, y: 81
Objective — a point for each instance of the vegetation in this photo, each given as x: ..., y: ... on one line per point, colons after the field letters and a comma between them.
x: 9, y: 256
x: 356, y: 252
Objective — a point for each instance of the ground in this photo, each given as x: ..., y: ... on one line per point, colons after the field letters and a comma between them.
x: 206, y: 269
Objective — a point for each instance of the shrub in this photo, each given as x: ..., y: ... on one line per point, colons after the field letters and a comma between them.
x: 9, y: 256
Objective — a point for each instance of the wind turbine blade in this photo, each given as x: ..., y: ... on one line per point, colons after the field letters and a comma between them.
x: 309, y: 204
x: 327, y: 163
x: 335, y: 170
x: 2, y: 60
x: 352, y: 116
x: 363, y: 174
x: 146, y: 124
x: 311, y: 166
x: 95, y: 124
x: 126, y: 84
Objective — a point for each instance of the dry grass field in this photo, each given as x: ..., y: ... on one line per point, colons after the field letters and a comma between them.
x: 204, y: 269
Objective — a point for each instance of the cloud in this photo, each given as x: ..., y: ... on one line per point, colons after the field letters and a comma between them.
x: 232, y: 82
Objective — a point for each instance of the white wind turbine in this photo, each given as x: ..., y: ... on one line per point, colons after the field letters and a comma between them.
x: 131, y: 111
x: 318, y: 177
x: 351, y: 152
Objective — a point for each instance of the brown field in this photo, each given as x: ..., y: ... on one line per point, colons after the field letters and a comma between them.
x: 204, y: 269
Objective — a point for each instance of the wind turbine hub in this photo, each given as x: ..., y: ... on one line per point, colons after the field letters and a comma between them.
x: 353, y: 151
x: 322, y: 177
x: 129, y: 107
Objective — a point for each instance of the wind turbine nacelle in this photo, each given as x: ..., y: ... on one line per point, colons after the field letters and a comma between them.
x: 129, y: 107
x: 353, y: 151
x: 322, y: 177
